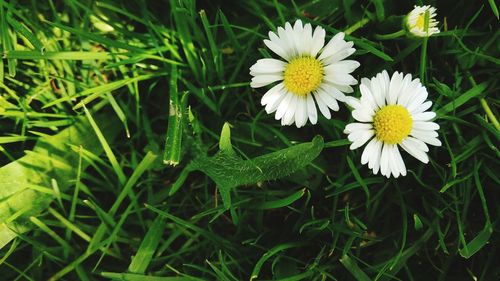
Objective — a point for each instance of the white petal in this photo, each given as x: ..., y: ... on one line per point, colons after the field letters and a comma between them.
x: 414, y: 151
x: 318, y: 40
x: 353, y: 102
x: 409, y: 92
x: 384, y: 161
x: 393, y: 165
x: 380, y: 88
x: 263, y: 80
x: 432, y: 141
x: 345, y: 66
x: 273, y: 46
x: 332, y: 46
x: 418, y: 144
x: 367, y: 95
x: 323, y: 108
x: 266, y: 66
x: 289, y: 33
x: 342, y: 88
x: 307, y: 39
x: 340, y: 78
x: 272, y: 105
x: 333, y: 92
x: 328, y: 99
x: 419, y: 134
x: 421, y: 108
x: 361, y: 138
x: 425, y: 126
x: 361, y: 115
x: 368, y: 151
x: 301, y: 112
x: 405, y: 84
x: 272, y: 95
x: 394, y: 87
x: 424, y: 116
x: 311, y: 110
x: 352, y: 127
x: 417, y: 99
x: 283, y: 106
x: 298, y: 31
x: 289, y: 116
x: 374, y: 162
x: 400, y: 162
x: 286, y: 43
x: 340, y: 55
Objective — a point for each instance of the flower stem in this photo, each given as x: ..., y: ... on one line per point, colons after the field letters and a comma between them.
x: 390, y: 36
x: 489, y: 113
x: 423, y: 59
x: 486, y: 107
x: 356, y: 26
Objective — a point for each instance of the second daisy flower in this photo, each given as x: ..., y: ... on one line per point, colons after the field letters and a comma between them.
x: 311, y: 74
x: 392, y: 112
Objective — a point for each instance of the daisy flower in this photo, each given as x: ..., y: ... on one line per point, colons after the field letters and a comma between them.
x: 416, y: 23
x: 392, y: 113
x: 309, y: 73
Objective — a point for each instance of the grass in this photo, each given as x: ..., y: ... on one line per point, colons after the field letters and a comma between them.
x: 133, y: 147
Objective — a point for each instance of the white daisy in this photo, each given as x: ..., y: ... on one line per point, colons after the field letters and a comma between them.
x: 416, y: 23
x: 392, y: 112
x: 311, y: 73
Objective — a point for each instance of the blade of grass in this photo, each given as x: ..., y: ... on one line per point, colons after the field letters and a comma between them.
x: 280, y: 203
x: 354, y: 269
x: 173, y: 142
x: 107, y: 149
x: 148, y: 246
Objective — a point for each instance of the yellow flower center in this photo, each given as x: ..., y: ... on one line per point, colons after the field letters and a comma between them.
x: 392, y: 124
x: 303, y: 75
x: 420, y: 21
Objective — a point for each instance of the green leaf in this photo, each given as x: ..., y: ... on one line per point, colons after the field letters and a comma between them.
x: 229, y: 171
x: 269, y: 254
x: 379, y: 9
x: 281, y: 202
x: 366, y: 45
x: 417, y: 222
x: 494, y: 8
x: 477, y: 243
x: 50, y: 159
x: 24, y: 31
x: 173, y: 142
x: 36, y: 55
x: 461, y: 99
x: 148, y: 247
x: 140, y: 277
x: 225, y: 140
x: 354, y: 269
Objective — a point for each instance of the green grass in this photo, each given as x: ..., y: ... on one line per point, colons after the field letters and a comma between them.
x: 133, y: 148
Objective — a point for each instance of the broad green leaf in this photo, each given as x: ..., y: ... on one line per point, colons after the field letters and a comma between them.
x: 229, y: 171
x: 50, y: 159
